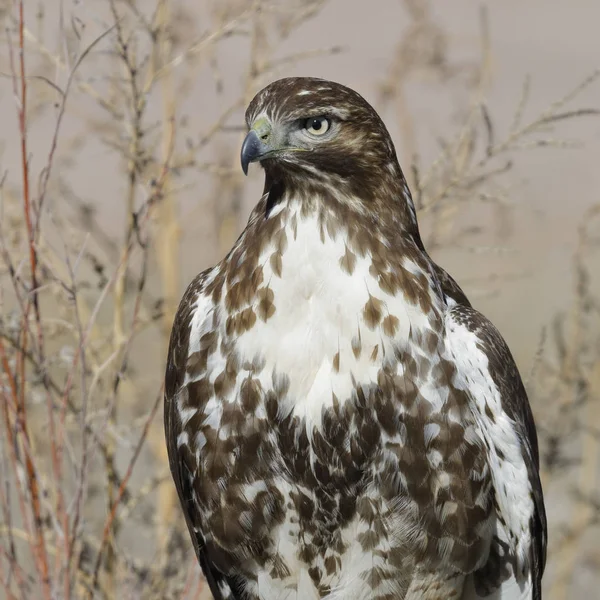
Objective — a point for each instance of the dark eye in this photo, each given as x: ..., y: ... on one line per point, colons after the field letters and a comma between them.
x: 317, y: 125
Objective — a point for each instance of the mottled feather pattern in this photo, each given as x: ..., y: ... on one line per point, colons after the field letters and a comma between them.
x: 340, y: 422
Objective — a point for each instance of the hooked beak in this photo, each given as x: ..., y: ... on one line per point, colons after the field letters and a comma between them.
x: 256, y: 144
x: 252, y: 150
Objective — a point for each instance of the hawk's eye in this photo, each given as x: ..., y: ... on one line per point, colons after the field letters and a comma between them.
x: 317, y: 125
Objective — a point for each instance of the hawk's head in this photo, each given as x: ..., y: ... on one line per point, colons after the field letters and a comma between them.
x: 310, y: 131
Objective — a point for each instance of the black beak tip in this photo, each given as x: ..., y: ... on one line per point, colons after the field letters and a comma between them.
x: 252, y: 148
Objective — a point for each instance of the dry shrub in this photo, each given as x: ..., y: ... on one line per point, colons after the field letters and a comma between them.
x: 565, y: 390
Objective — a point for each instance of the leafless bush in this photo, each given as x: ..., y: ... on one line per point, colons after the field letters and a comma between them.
x: 566, y: 397
x: 88, y: 508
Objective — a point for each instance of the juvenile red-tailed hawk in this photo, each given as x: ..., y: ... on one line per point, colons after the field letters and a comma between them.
x: 341, y: 423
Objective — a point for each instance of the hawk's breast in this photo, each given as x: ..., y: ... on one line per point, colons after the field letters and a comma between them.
x: 330, y: 323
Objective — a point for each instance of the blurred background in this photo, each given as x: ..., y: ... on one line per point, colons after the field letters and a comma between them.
x: 120, y: 181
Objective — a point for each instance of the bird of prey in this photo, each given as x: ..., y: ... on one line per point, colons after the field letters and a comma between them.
x: 341, y: 422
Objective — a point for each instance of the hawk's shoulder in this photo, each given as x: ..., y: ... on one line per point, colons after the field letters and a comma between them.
x: 486, y: 370
x: 180, y: 333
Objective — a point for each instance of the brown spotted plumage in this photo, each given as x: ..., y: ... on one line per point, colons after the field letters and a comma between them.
x: 340, y: 422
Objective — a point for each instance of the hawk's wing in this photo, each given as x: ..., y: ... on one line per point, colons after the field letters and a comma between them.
x: 182, y: 462
x: 487, y: 372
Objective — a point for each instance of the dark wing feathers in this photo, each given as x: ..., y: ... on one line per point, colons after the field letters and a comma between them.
x: 505, y: 374
x: 449, y: 287
x: 180, y: 462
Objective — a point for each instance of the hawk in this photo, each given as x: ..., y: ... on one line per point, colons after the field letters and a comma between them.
x: 341, y: 423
